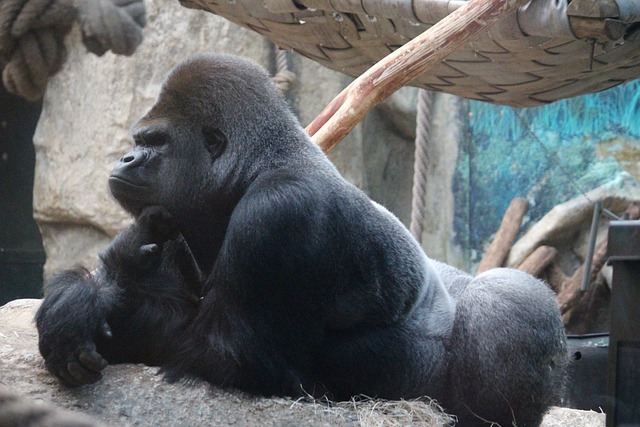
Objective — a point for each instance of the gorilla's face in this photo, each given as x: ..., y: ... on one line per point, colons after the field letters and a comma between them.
x: 176, y: 161
x: 169, y: 165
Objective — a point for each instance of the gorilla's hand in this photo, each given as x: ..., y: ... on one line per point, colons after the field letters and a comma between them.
x: 137, y: 251
x: 155, y: 226
x: 70, y: 321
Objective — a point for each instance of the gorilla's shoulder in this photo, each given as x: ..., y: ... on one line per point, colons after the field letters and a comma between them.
x: 286, y: 192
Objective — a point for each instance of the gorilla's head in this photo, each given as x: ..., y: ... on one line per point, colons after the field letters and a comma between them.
x: 216, y: 125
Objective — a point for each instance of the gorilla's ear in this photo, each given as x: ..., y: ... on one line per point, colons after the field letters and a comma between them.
x: 214, y: 140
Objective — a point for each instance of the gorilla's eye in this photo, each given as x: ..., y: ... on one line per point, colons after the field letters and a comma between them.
x: 150, y: 138
x: 156, y: 138
x: 215, y: 141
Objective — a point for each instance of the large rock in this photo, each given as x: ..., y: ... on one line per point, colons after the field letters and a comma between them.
x: 131, y: 395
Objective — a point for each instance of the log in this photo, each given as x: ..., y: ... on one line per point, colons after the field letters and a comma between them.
x: 594, y: 9
x: 556, y: 278
x: 572, y: 296
x: 564, y: 221
x: 568, y: 297
x: 497, y: 252
x: 597, y: 29
x: 587, y: 312
x: 398, y: 68
x: 580, y: 311
x: 600, y: 257
x: 539, y: 260
x: 633, y: 211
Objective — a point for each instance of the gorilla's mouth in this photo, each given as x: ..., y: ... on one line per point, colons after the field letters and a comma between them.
x: 120, y: 182
x: 128, y: 193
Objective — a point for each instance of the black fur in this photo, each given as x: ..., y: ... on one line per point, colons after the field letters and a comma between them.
x: 306, y: 285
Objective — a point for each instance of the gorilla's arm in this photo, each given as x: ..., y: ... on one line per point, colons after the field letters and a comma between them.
x: 131, y: 309
x: 72, y: 316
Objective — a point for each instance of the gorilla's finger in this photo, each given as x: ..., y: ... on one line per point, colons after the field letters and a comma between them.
x: 105, y: 330
x: 92, y: 361
x: 155, y: 213
x: 67, y: 378
x: 149, y: 249
x: 81, y: 375
x: 165, y: 231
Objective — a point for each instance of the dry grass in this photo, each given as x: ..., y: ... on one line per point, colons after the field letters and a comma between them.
x: 368, y: 412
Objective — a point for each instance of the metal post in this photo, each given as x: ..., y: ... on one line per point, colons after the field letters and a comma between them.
x: 624, y: 348
x: 593, y: 234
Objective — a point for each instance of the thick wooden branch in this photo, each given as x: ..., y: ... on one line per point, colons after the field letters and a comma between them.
x: 403, y: 65
x: 539, y: 260
x: 497, y: 252
x: 556, y: 278
x: 567, y: 298
x: 567, y: 219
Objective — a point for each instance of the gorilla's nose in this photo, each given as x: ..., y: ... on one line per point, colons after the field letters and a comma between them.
x: 127, y: 158
x: 132, y: 159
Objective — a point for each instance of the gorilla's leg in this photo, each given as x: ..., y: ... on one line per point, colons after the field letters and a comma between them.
x: 389, y: 362
x: 508, y: 350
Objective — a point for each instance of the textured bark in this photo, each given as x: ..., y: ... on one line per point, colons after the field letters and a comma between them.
x: 498, y: 251
x: 539, y: 260
x: 403, y: 65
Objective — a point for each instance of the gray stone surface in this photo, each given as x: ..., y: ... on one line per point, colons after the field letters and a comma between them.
x: 135, y: 395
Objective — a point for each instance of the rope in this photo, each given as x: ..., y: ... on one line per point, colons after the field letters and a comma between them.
x: 32, y: 36
x: 283, y: 77
x: 114, y: 25
x: 420, y: 165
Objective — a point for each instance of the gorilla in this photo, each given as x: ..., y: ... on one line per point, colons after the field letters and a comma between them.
x: 253, y: 264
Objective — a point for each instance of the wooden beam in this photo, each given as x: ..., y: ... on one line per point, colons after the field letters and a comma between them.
x: 496, y: 254
x: 539, y: 260
x: 403, y: 65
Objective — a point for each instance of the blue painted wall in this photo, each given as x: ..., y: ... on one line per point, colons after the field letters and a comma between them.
x: 548, y: 154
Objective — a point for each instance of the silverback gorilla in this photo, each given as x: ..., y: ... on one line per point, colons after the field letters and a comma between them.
x: 253, y: 264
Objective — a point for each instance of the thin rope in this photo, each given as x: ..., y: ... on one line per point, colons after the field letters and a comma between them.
x: 420, y: 165
x: 283, y: 77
